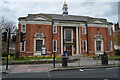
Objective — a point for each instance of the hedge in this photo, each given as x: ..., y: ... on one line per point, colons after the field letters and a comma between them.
x: 117, y: 52
x: 4, y: 54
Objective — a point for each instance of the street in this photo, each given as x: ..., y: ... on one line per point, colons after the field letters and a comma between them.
x: 100, y: 73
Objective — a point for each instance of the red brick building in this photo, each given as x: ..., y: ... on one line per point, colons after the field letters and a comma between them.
x: 62, y: 32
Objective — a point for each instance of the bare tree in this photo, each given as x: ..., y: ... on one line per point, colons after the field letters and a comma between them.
x: 6, y: 24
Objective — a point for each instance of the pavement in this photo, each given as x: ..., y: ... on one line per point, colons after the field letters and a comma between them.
x: 84, y: 63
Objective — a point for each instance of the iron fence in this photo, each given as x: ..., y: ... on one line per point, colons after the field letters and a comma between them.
x: 80, y: 61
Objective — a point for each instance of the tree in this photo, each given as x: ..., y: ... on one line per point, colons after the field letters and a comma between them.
x: 6, y: 24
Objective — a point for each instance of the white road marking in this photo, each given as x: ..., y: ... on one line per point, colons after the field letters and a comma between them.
x: 89, y: 69
x: 48, y: 74
x: 111, y: 68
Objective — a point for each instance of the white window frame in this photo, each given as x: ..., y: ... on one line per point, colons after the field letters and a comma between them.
x: 36, y: 46
x: 54, y: 29
x: 35, y: 43
x: 101, y: 45
x: 22, y: 46
x: 84, y: 28
x: 110, y: 46
x: 23, y: 30
x: 109, y: 31
x: 55, y: 45
x: 85, y: 45
x: 71, y: 34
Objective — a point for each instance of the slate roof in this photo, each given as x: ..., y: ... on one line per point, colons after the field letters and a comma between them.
x: 64, y: 18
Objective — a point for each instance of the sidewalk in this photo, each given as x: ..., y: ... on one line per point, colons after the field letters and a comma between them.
x: 46, y: 67
x: 83, y: 63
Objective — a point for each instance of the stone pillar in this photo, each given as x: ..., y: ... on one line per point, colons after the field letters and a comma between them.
x: 61, y: 40
x: 77, y: 43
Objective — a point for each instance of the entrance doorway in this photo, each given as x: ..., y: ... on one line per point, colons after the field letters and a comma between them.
x: 69, y: 50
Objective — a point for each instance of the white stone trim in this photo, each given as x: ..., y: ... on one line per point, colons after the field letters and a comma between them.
x: 80, y: 41
x: 77, y: 43
x: 61, y: 40
x: 102, y: 47
x: 36, y: 22
x: 37, y: 52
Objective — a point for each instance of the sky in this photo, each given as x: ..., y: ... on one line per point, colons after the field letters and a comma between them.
x: 13, y: 9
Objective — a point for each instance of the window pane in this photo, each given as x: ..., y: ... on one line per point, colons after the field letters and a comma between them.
x: 39, y: 44
x: 23, y: 28
x: 84, y: 46
x: 98, y: 45
x: 54, y: 45
x: 110, y: 45
x: 68, y: 35
x: 22, y: 46
x: 54, y: 29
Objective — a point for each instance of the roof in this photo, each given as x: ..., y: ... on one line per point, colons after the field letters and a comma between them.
x: 64, y: 18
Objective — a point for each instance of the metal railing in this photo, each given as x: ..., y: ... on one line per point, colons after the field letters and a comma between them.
x: 80, y: 61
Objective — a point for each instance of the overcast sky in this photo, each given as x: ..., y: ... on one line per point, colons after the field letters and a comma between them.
x: 13, y: 9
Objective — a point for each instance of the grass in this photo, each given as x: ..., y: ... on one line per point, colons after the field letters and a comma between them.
x: 13, y: 59
x: 113, y: 57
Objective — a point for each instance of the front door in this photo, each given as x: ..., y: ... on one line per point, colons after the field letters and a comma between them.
x: 69, y: 50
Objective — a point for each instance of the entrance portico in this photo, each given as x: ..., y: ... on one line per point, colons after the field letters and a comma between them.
x: 70, y: 40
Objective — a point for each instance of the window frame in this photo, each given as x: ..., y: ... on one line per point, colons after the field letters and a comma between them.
x: 23, y: 29
x: 54, y: 46
x: 36, y: 45
x: 85, y: 49
x: 54, y: 29
x: 84, y: 31
x: 100, y: 46
x: 22, y: 46
x: 110, y: 46
x: 71, y: 34
x: 109, y: 31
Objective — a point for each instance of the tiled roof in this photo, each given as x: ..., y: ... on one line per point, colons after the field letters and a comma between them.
x: 65, y: 18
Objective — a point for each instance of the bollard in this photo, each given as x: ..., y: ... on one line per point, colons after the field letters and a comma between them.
x: 8, y: 56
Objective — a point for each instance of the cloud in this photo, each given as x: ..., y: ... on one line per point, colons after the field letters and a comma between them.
x: 14, y: 10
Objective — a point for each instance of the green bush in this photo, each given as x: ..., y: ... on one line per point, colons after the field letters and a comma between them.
x: 117, y: 52
x: 4, y: 54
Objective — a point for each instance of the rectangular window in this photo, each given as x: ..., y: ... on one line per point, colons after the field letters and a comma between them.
x: 54, y: 29
x: 109, y: 31
x: 39, y: 44
x: 98, y: 45
x: 84, y: 29
x: 23, y: 28
x: 22, y: 46
x: 54, y: 45
x: 110, y: 45
x: 84, y: 45
x: 68, y: 35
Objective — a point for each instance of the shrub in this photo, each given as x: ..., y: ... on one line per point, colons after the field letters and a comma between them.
x: 4, y: 54
x: 117, y: 52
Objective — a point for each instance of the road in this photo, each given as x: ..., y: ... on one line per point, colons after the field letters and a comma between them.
x: 102, y: 73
